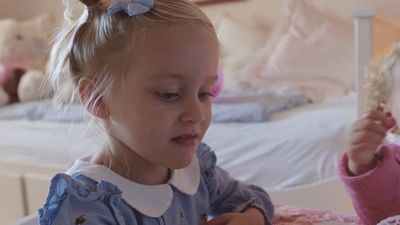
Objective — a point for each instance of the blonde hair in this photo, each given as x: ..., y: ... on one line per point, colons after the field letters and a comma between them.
x: 380, y: 80
x: 92, y: 44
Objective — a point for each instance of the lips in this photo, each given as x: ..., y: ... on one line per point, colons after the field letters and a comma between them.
x: 186, y: 139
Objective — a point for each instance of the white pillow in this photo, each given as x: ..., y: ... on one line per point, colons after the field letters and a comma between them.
x: 238, y: 44
x: 310, y: 51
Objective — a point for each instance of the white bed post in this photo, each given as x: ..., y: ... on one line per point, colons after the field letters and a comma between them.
x: 363, y: 49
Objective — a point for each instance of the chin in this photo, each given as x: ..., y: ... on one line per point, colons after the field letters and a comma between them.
x: 181, y: 164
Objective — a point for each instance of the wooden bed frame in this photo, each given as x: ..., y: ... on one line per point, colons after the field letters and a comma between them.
x: 24, y: 186
x: 362, y: 48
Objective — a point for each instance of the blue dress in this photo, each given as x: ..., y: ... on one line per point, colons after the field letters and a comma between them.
x: 92, y: 194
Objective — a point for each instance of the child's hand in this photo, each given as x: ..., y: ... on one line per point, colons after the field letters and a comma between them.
x: 251, y: 216
x: 366, y: 135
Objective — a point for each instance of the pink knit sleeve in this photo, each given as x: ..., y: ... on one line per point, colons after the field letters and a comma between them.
x: 375, y: 194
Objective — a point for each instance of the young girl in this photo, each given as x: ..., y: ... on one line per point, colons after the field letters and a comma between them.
x: 146, y: 70
x: 370, y: 170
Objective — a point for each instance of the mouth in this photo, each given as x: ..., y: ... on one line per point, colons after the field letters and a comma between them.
x: 185, y: 140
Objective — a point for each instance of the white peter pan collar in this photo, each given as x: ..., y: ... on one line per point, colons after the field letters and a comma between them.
x: 150, y: 200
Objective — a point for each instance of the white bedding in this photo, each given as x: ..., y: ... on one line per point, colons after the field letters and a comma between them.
x: 298, y: 146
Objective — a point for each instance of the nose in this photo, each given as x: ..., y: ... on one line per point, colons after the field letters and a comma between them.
x: 194, y: 111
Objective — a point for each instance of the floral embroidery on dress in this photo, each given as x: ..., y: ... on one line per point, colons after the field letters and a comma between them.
x: 203, y: 217
x: 206, y: 174
x: 249, y: 204
x: 219, y: 190
x: 81, y: 219
x: 95, y: 190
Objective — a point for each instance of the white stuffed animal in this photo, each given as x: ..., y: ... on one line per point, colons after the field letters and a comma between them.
x: 23, y: 54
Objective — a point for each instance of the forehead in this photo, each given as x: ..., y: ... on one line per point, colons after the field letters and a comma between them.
x: 149, y: 35
x: 174, y: 48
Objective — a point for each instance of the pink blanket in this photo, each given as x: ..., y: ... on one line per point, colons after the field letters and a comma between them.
x: 301, y: 216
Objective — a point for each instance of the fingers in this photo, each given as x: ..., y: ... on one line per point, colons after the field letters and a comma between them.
x: 370, y: 136
x: 375, y: 120
x: 366, y: 125
x: 366, y: 134
x: 371, y: 128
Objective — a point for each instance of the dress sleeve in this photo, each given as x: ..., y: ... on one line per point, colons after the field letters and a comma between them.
x: 71, y: 201
x: 376, y: 193
x: 227, y: 194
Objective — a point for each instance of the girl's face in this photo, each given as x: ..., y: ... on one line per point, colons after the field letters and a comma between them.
x: 162, y: 108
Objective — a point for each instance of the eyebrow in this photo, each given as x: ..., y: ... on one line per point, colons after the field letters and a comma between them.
x: 179, y: 77
x: 166, y: 76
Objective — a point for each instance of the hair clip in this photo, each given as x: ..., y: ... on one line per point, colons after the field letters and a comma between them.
x: 132, y: 7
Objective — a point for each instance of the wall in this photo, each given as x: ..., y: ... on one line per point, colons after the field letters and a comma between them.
x: 25, y: 9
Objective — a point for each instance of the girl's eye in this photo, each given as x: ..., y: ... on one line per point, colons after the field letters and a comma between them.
x: 205, y: 95
x: 168, y: 96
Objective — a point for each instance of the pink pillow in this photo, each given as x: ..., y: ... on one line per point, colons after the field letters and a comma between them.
x: 238, y: 42
x: 310, y: 51
x: 218, y: 86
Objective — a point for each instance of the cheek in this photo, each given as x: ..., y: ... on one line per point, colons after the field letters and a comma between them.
x: 208, y: 116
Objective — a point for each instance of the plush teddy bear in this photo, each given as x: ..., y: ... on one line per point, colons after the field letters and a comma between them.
x: 24, y: 51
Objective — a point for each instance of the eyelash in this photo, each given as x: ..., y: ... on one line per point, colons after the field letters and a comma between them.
x: 163, y: 96
x: 170, y: 96
x: 206, y: 94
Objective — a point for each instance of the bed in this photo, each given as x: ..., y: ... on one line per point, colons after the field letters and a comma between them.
x: 292, y: 87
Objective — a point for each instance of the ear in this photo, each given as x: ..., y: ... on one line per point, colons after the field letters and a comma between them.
x: 94, y: 104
